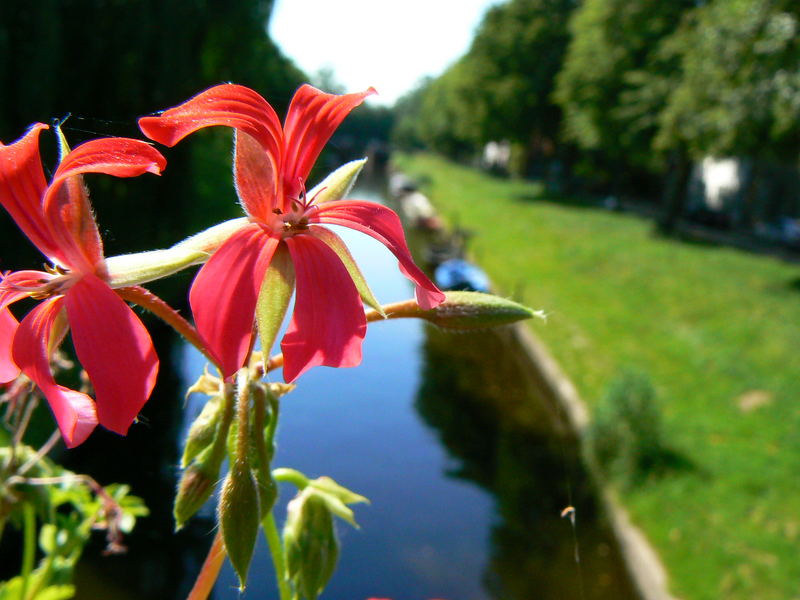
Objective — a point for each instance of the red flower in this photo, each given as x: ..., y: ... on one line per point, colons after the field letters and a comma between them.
x: 271, y: 164
x: 110, y: 341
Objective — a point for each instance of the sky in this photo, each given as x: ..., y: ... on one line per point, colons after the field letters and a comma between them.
x: 387, y: 44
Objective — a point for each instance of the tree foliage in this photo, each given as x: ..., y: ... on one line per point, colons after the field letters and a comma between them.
x: 739, y: 93
x: 501, y: 88
x: 613, y: 79
x: 109, y: 62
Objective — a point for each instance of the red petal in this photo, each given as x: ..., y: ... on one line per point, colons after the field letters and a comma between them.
x: 120, y: 157
x: 229, y: 105
x: 114, y: 348
x: 328, y: 324
x: 224, y: 294
x: 8, y: 327
x: 385, y: 226
x: 255, y: 177
x: 312, y: 118
x: 66, y: 202
x: 22, y: 188
x: 74, y: 411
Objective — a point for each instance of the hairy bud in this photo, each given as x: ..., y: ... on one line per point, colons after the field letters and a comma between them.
x: 463, y: 311
x: 310, y: 543
x: 239, y: 517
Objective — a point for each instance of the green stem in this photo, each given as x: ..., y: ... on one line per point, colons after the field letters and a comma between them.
x: 276, y: 550
x: 29, y: 548
x: 149, y: 301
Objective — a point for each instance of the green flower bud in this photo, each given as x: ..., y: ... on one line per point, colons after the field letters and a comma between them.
x: 203, y: 431
x: 204, y: 452
x: 310, y: 543
x: 239, y: 517
x: 464, y: 311
x: 195, y: 487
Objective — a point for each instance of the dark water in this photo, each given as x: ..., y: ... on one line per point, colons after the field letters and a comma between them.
x: 466, y: 463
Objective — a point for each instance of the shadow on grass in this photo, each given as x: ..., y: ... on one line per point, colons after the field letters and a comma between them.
x: 794, y: 284
x: 670, y: 462
x: 686, y: 236
x: 554, y: 197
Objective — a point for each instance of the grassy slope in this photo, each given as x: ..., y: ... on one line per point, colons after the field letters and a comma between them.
x: 708, y: 324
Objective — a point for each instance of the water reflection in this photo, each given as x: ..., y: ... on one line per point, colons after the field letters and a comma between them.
x: 490, y: 412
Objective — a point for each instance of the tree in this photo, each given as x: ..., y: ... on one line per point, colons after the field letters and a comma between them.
x: 739, y: 92
x: 515, y: 56
x: 502, y: 87
x: 614, y: 80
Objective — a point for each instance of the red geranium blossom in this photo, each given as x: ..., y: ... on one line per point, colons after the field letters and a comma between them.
x: 271, y: 164
x: 110, y: 340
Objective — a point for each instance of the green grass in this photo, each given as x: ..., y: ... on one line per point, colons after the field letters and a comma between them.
x: 707, y: 323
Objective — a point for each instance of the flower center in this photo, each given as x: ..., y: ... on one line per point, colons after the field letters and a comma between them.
x: 296, y: 221
x: 40, y: 289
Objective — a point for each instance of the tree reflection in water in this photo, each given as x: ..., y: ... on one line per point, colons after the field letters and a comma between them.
x: 506, y: 435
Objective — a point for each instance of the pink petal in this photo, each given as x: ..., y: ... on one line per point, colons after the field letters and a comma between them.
x: 255, y: 177
x: 328, y: 324
x: 22, y: 188
x: 8, y: 327
x: 66, y: 202
x: 312, y: 118
x: 74, y: 411
x: 224, y: 294
x: 385, y: 226
x: 114, y: 347
x: 229, y: 105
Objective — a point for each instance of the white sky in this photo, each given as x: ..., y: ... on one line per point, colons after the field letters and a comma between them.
x: 387, y: 44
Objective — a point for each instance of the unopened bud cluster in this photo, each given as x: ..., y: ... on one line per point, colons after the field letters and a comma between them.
x: 309, y: 535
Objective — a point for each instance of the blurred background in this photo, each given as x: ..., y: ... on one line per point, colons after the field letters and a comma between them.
x: 629, y: 166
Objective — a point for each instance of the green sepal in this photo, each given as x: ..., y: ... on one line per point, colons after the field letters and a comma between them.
x: 274, y: 297
x: 335, y: 496
x: 338, y: 183
x: 329, y: 487
x: 334, y: 242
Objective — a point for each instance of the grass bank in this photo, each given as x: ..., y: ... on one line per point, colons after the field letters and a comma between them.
x: 716, y: 329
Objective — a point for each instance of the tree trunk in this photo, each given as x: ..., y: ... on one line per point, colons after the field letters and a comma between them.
x: 674, y: 196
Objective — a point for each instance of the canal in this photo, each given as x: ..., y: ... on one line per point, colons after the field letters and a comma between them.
x: 467, y: 464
